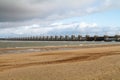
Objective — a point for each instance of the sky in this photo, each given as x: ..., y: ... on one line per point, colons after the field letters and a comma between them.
x: 20, y: 18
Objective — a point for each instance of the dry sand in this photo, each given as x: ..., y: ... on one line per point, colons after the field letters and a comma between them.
x: 100, y: 63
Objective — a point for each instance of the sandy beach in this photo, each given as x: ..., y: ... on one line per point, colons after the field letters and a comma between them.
x: 88, y: 63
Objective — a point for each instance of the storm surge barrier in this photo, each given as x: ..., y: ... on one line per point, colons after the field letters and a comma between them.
x: 66, y: 38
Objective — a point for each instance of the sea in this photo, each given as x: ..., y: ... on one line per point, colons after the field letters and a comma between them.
x: 33, y: 46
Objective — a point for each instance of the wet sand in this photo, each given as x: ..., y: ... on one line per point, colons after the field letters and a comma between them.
x: 92, y: 63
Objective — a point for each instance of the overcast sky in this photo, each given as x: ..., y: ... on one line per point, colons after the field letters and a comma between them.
x: 59, y: 17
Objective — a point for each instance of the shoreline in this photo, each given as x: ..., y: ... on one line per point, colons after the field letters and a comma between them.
x: 51, y: 48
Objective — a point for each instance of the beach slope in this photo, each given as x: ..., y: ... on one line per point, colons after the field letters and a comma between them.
x: 97, y: 63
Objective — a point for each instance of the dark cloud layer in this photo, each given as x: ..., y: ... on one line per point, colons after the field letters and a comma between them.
x: 20, y: 10
x: 15, y: 10
x: 19, y: 15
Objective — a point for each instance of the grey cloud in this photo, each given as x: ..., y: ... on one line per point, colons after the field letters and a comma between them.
x: 12, y: 10
x: 21, y: 10
x: 20, y: 13
x: 16, y: 10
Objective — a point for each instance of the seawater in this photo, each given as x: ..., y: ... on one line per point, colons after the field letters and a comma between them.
x: 18, y: 44
x: 33, y: 46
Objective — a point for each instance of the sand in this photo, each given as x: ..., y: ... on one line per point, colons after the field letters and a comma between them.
x: 95, y: 63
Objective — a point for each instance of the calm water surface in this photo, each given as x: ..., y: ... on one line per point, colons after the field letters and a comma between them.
x: 17, y: 44
x: 31, y: 46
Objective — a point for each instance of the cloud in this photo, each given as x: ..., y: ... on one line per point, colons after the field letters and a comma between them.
x: 22, y: 10
x: 42, y: 16
x: 27, y: 12
x: 86, y: 25
x: 55, y: 28
x: 31, y: 30
x: 60, y: 28
x: 12, y: 10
